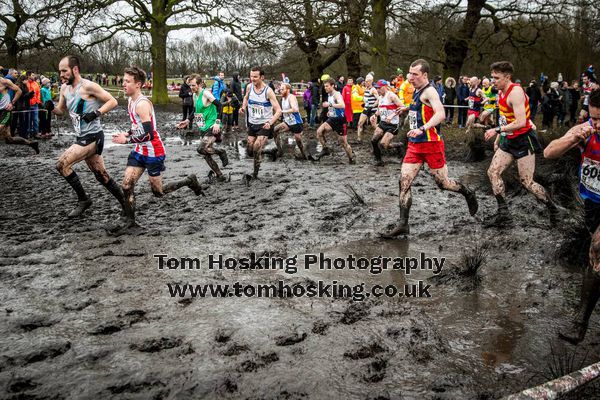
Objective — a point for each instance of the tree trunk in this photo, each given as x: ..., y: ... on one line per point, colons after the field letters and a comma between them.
x: 315, y: 63
x: 456, y: 47
x: 12, y: 46
x: 356, y: 12
x: 379, y: 48
x: 159, y: 33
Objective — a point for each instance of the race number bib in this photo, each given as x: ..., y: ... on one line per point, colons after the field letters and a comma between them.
x: 331, y: 112
x: 76, y: 120
x: 590, y: 175
x: 412, y: 119
x: 471, y: 103
x: 200, y: 122
x: 289, y: 119
x: 256, y: 111
x: 502, y: 120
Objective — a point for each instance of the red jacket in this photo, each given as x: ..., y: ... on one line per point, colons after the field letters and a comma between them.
x: 347, y: 96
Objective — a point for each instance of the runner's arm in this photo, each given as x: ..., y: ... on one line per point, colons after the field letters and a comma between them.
x: 212, y: 99
x: 339, y: 103
x: 61, y: 107
x: 516, y: 99
x: 103, y: 96
x: 293, y: 104
x: 15, y: 88
x: 439, y: 114
x: 144, y: 110
x: 576, y: 135
x: 245, y: 101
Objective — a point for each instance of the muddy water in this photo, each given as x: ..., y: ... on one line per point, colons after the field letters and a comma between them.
x: 87, y: 315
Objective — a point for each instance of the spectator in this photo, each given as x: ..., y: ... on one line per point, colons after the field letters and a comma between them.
x: 12, y: 76
x: 219, y: 87
x: 272, y: 84
x: 347, y: 96
x: 45, y: 115
x: 565, y: 95
x: 307, y: 101
x: 339, y: 85
x: 34, y: 105
x: 535, y: 97
x: 236, y: 89
x: 315, y: 94
x: 230, y: 103
x: 22, y: 104
x: 551, y: 105
x: 437, y: 84
x: 449, y: 98
x: 187, y: 101
x: 462, y: 95
x: 357, y: 103
x: 575, y: 97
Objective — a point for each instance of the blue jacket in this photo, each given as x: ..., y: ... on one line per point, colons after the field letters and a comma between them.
x: 218, y: 87
x: 462, y: 93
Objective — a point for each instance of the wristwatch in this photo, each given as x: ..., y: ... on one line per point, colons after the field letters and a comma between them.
x: 499, y: 129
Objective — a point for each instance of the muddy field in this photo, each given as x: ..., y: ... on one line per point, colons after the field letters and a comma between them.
x: 86, y: 315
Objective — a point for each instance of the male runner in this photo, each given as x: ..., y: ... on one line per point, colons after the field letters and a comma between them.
x: 515, y: 139
x: 292, y: 120
x: 149, y: 152
x: 370, y: 100
x: 84, y: 101
x: 263, y: 113
x: 6, y: 106
x: 476, y: 100
x: 207, y: 111
x: 490, y: 94
x: 425, y: 144
x: 586, y: 136
x: 336, y: 121
x: 389, y: 109
x: 586, y: 89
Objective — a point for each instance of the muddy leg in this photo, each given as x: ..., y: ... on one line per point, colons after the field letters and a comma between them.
x: 206, y: 150
x: 130, y: 178
x: 321, y: 131
x: 440, y: 176
x: 500, y: 162
x: 259, y: 144
x: 96, y: 165
x: 298, y: 138
x: 343, y: 141
x: 590, y: 293
x: 70, y: 157
x: 408, y: 174
x: 377, y: 137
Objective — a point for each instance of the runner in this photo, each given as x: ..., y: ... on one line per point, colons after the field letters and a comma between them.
x: 489, y: 107
x: 84, y: 101
x: 389, y: 109
x: 149, y: 152
x: 292, y: 120
x: 425, y: 146
x: 263, y: 112
x: 476, y: 100
x: 586, y: 136
x: 515, y: 139
x: 370, y: 101
x: 335, y: 121
x: 6, y: 106
x: 207, y: 110
x: 586, y: 89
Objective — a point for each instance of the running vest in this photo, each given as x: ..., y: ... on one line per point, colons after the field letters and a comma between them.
x: 334, y: 112
x: 474, y: 100
x: 4, y: 101
x: 418, y: 115
x: 507, y: 114
x: 78, y: 107
x: 290, y: 118
x: 586, y: 89
x: 154, y: 148
x: 260, y: 109
x: 204, y: 116
x: 491, y: 95
x: 589, y: 172
x: 386, y: 108
x: 369, y: 99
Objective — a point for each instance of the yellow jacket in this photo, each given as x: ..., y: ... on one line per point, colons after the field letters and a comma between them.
x: 356, y: 102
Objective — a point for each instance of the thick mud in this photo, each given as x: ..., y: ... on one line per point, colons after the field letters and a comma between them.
x: 86, y: 315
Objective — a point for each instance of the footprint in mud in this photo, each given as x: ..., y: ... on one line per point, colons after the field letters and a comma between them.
x: 375, y: 370
x: 290, y: 339
x: 223, y: 335
x: 354, y: 313
x: 35, y: 322
x: 108, y: 328
x: 367, y: 351
x: 320, y: 327
x: 47, y: 350
x: 19, y: 385
x: 79, y: 305
x: 154, y: 345
x: 259, y: 361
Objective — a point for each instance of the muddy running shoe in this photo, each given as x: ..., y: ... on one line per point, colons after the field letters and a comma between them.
x: 81, y: 207
x: 471, y: 199
x: 498, y: 220
x: 223, y: 156
x: 575, y: 333
x: 311, y: 158
x: 35, y: 146
x: 400, y: 229
x: 195, y: 185
x: 123, y: 227
x: 351, y: 161
x: 325, y: 152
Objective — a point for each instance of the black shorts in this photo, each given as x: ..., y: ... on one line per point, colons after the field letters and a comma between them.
x: 387, y: 127
x: 97, y: 138
x: 208, y: 133
x: 369, y: 111
x: 255, y: 130
x: 522, y: 145
x: 338, y: 124
x: 296, y: 128
x: 4, y: 117
x: 154, y: 165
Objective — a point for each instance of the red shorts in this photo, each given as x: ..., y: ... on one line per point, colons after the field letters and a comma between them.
x: 474, y: 112
x: 432, y: 153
